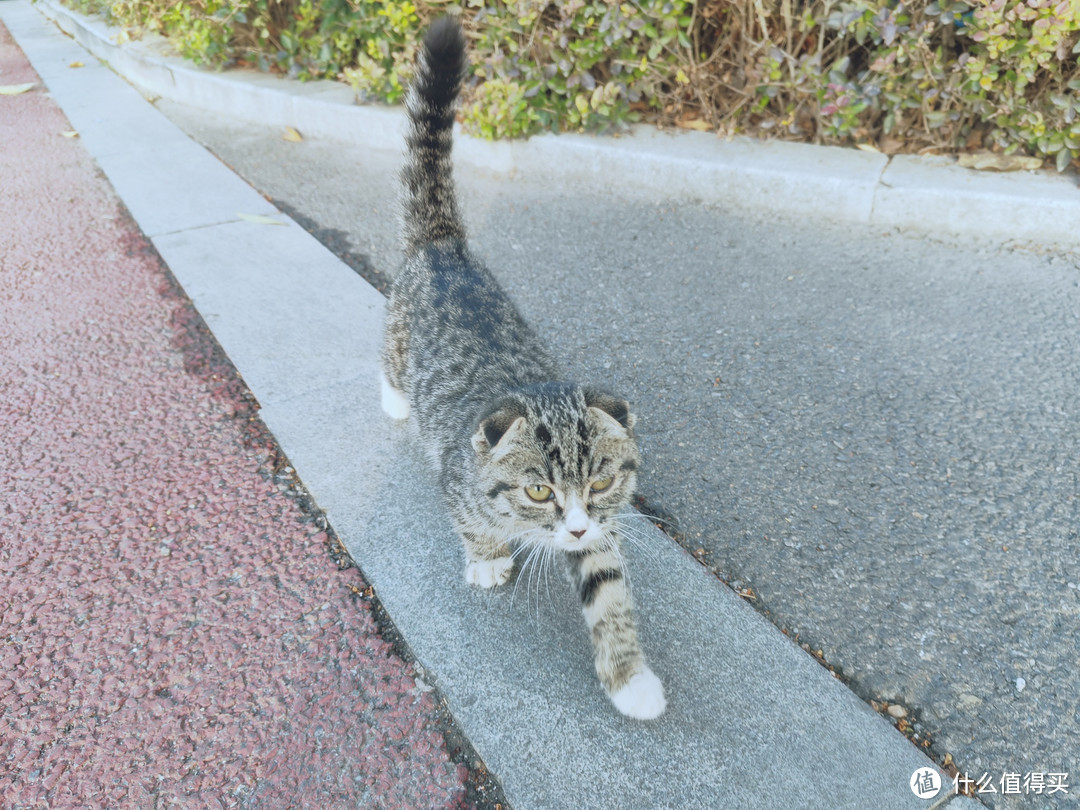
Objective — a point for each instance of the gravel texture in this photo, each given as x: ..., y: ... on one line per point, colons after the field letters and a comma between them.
x: 172, y: 627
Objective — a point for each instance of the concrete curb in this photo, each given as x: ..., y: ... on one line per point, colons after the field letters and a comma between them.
x: 930, y: 194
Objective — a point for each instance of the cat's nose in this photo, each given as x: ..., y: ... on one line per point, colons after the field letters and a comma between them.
x: 578, y: 533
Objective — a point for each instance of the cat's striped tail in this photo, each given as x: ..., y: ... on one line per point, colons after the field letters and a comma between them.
x: 431, y: 211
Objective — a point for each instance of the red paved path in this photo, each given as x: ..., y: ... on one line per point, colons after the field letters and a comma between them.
x: 173, y: 631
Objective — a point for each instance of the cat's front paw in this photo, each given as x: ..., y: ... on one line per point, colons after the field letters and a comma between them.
x: 489, y: 573
x: 642, y: 697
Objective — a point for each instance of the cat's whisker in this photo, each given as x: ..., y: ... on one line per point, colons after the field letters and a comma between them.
x: 616, y: 549
x: 522, y: 536
x: 635, y: 537
x: 534, y: 579
x: 534, y: 549
x: 654, y: 519
x: 625, y: 525
x: 638, y: 539
x: 639, y: 520
x: 539, y: 578
x: 536, y: 563
x: 548, y: 565
x: 643, y: 551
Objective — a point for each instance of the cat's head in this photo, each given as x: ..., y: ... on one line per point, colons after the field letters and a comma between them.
x: 559, y: 459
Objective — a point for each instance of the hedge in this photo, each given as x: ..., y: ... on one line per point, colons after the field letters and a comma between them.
x: 938, y: 76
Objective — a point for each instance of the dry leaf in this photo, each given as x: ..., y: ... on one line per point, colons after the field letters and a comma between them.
x: 76, y: 65
x: 15, y: 89
x: 70, y: 133
x: 890, y: 146
x: 291, y: 134
x: 868, y: 147
x: 259, y: 219
x: 697, y: 123
x: 988, y: 161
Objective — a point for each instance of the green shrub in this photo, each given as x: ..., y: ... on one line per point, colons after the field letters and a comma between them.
x: 938, y: 75
x: 1018, y: 79
x: 571, y: 64
x: 499, y: 109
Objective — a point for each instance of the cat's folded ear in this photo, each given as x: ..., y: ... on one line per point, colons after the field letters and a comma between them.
x: 498, y: 428
x: 615, y: 407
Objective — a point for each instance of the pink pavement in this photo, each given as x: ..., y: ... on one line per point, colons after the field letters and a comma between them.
x: 173, y: 629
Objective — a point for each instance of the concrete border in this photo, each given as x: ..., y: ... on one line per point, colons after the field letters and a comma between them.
x: 929, y: 194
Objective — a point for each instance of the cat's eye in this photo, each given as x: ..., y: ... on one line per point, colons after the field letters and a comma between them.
x: 602, y: 484
x: 539, y: 492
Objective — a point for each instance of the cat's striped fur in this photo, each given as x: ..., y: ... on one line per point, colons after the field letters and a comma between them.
x: 524, y: 459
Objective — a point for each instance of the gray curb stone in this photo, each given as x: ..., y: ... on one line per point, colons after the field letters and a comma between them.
x: 929, y: 194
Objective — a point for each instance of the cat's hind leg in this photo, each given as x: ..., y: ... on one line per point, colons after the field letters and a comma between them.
x: 394, y: 402
x: 394, y: 359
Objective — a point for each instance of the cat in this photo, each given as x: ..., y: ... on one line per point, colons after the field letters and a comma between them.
x: 524, y: 459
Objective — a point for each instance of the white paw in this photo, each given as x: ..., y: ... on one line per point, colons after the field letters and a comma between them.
x: 489, y: 573
x: 394, y: 403
x: 642, y: 698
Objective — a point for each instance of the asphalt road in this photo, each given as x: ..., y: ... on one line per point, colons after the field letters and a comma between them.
x: 873, y: 431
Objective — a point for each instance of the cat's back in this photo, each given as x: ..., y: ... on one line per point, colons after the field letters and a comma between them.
x: 449, y: 289
x: 467, y: 340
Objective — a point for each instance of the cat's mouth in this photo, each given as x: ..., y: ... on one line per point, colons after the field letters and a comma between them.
x: 567, y: 541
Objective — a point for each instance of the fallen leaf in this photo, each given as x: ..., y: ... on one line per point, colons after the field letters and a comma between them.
x: 15, y: 89
x: 70, y: 133
x: 867, y: 147
x: 76, y: 65
x: 291, y: 134
x: 259, y: 219
x: 988, y: 161
x: 697, y: 123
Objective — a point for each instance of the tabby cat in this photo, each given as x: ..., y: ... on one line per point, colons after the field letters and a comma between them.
x: 524, y: 459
